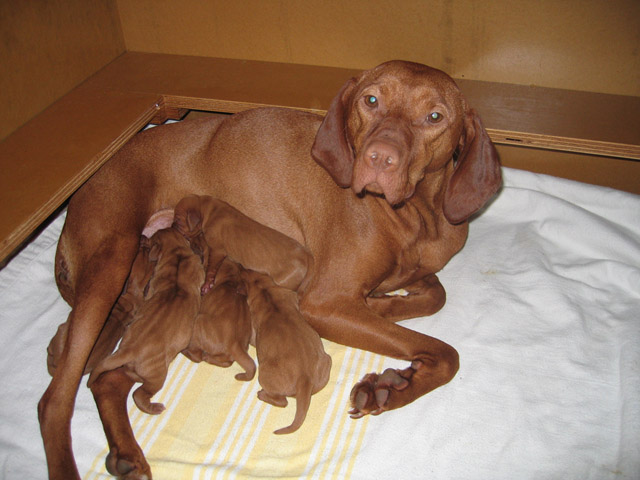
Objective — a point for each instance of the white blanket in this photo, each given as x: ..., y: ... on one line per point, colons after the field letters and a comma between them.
x: 543, y: 305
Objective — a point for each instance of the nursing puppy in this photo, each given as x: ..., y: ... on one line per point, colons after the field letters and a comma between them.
x: 230, y: 233
x: 163, y: 325
x: 222, y: 329
x: 291, y: 359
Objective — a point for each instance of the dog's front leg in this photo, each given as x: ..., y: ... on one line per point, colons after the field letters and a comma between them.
x: 125, y: 458
x: 349, y: 321
x: 424, y: 297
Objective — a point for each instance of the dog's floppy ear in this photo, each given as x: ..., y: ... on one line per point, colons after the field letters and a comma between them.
x: 187, y: 217
x: 155, y: 251
x: 145, y: 243
x: 331, y: 148
x: 194, y: 219
x: 477, y: 174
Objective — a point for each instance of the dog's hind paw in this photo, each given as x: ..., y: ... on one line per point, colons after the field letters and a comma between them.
x: 126, y: 469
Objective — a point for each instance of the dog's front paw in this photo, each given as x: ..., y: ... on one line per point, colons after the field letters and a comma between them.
x: 370, y: 396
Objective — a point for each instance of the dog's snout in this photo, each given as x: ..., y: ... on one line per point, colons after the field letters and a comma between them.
x: 382, y: 156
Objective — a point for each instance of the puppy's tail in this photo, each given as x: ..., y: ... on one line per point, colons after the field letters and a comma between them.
x: 303, y: 400
x: 245, y: 361
x: 142, y: 398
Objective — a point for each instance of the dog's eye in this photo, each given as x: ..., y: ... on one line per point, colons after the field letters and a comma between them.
x: 434, y: 117
x: 371, y: 100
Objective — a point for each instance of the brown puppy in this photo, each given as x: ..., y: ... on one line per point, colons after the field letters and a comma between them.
x: 222, y: 329
x: 262, y: 249
x: 291, y: 358
x: 418, y: 163
x: 163, y: 325
x: 120, y: 317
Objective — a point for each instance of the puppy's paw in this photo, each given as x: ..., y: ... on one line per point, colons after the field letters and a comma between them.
x: 206, y: 287
x: 273, y: 399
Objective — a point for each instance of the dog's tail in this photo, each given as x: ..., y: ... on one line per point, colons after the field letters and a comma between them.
x: 303, y: 400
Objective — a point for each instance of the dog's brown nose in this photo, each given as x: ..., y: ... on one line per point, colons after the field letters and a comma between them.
x: 382, y: 156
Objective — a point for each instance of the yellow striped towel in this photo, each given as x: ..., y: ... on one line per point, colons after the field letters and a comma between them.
x: 215, y: 427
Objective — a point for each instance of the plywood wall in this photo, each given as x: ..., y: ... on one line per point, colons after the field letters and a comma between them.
x: 591, y: 45
x: 47, y: 47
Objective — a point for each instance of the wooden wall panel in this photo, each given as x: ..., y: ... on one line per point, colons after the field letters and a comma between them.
x: 47, y: 47
x: 593, y: 169
x: 591, y: 45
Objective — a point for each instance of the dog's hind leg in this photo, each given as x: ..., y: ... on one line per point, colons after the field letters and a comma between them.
x: 105, y: 271
x: 110, y: 391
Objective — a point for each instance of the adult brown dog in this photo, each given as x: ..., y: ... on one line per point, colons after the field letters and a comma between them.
x: 292, y: 360
x: 391, y: 134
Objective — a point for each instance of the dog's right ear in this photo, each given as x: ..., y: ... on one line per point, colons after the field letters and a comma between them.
x: 331, y: 148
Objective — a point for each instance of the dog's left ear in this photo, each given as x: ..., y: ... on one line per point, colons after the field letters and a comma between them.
x: 477, y: 174
x: 331, y: 148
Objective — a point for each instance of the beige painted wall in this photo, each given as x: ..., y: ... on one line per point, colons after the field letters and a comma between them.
x: 47, y: 47
x: 591, y: 45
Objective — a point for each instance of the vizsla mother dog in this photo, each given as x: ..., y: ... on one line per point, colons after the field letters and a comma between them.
x: 418, y: 163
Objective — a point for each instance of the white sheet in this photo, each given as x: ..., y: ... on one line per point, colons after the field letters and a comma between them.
x: 543, y: 307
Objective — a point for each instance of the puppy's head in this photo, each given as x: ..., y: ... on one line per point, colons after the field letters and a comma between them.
x: 188, y: 216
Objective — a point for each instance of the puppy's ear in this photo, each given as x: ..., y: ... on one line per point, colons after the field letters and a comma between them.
x: 144, y: 242
x: 331, y: 148
x: 241, y: 289
x: 194, y: 219
x: 477, y: 174
x: 187, y: 217
x: 200, y: 247
x: 154, y: 252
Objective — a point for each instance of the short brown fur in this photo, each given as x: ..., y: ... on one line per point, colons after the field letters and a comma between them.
x: 402, y: 219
